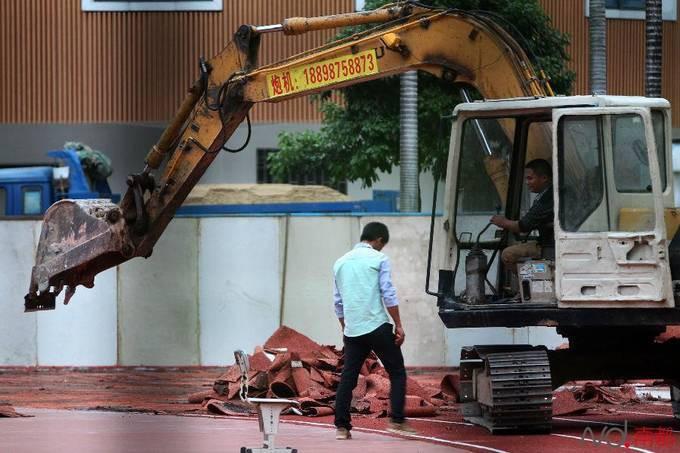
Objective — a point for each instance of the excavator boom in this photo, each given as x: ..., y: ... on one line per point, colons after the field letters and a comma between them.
x: 82, y: 238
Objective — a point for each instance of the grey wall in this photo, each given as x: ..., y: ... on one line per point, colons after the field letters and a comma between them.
x: 128, y: 144
x: 125, y: 144
x: 240, y: 168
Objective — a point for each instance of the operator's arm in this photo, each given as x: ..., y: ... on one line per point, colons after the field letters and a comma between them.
x: 337, y: 299
x: 389, y: 297
x: 540, y: 214
x: 506, y: 224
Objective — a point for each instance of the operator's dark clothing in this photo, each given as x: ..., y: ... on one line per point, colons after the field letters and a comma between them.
x: 380, y: 341
x: 540, y: 217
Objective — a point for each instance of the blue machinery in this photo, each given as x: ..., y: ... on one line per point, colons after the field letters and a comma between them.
x: 29, y: 191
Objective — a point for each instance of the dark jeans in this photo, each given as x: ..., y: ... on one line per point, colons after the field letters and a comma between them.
x: 380, y: 341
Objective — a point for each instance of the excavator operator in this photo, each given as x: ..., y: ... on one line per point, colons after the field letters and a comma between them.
x: 538, y: 174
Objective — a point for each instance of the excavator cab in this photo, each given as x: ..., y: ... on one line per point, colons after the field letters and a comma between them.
x: 605, y: 281
x: 609, y: 161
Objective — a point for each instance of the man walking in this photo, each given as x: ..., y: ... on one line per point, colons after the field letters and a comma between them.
x: 363, y: 289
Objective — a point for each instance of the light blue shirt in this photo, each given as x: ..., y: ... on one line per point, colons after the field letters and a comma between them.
x: 363, y: 288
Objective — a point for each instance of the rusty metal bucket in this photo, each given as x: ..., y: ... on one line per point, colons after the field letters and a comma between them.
x: 79, y: 239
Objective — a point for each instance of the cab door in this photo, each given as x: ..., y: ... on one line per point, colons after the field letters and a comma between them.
x: 610, y: 238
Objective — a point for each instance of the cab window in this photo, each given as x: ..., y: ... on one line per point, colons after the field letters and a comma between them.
x: 581, y: 167
x: 631, y: 164
x: 32, y: 201
x: 3, y: 201
x: 601, y: 191
x: 658, y: 121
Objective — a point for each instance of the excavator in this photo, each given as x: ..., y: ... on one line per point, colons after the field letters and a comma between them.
x: 609, y: 284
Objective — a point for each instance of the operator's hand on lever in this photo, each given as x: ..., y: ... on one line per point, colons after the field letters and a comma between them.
x: 505, y: 223
x: 499, y: 220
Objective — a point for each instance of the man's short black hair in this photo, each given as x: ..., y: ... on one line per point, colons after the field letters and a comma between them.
x: 541, y: 167
x: 375, y: 230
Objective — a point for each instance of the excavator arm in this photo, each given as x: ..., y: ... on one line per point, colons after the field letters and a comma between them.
x: 79, y: 239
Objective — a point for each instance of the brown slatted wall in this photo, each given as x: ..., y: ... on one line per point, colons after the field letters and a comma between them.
x: 569, y: 17
x: 626, y: 59
x: 626, y: 47
x: 60, y: 64
x: 670, y: 87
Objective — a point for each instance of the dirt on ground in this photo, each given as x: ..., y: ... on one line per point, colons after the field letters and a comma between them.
x: 144, y: 389
x: 166, y: 391
x: 163, y: 390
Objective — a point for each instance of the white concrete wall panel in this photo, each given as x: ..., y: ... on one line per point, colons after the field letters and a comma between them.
x: 216, y: 284
x: 84, y: 332
x: 547, y: 336
x: 158, y: 301
x: 407, y: 249
x: 314, y: 244
x: 239, y: 284
x: 18, y: 330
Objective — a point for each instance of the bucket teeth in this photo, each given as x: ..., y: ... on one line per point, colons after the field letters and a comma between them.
x: 39, y: 301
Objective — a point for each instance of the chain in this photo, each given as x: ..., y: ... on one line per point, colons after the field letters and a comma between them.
x: 243, y: 393
x: 242, y: 362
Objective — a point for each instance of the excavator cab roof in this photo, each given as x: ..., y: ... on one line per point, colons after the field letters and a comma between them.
x: 516, y: 106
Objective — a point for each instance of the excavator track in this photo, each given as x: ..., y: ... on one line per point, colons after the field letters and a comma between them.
x: 513, y: 391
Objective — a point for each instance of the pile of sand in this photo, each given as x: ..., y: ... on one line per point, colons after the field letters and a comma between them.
x: 213, y: 194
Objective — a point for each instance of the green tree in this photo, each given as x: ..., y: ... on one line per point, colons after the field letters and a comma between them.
x: 360, y: 137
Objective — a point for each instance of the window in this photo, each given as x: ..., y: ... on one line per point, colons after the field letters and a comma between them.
x: 634, y: 9
x: 263, y: 174
x: 658, y: 121
x: 625, y: 4
x: 151, y: 5
x: 581, y: 184
x: 631, y: 165
x: 604, y: 192
x: 32, y: 201
x: 483, y: 173
x: 3, y: 201
x: 302, y: 178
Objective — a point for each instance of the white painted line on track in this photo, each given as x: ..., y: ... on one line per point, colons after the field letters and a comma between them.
x: 594, y: 422
x: 644, y: 413
x: 371, y: 430
x: 587, y: 421
x: 441, y: 421
x: 630, y: 447
x: 410, y: 436
x: 452, y: 442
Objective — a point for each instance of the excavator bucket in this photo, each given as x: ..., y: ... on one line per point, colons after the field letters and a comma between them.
x: 79, y: 239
